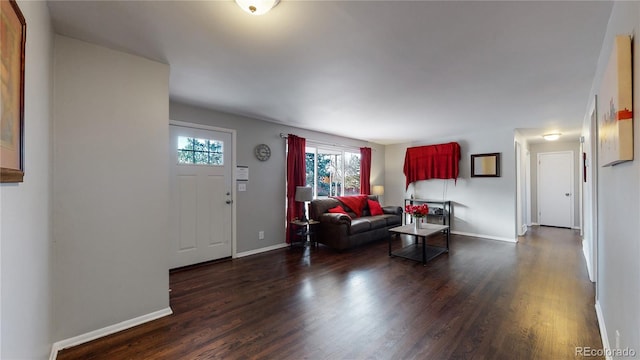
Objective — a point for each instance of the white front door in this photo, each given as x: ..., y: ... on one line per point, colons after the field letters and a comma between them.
x: 200, y: 182
x: 555, y: 189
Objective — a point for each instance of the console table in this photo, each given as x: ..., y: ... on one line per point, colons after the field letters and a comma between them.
x: 440, y: 209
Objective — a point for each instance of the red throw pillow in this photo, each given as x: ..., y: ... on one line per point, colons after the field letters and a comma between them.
x: 338, y: 210
x: 375, y: 208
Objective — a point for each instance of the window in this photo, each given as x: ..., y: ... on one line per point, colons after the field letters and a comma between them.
x: 199, y: 151
x: 332, y: 171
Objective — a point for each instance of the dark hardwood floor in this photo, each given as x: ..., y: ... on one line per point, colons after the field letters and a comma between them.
x: 483, y: 300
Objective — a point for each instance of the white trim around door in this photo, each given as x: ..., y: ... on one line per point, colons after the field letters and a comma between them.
x: 233, y: 173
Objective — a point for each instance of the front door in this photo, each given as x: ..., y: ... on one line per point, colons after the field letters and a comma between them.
x: 555, y: 189
x: 200, y: 183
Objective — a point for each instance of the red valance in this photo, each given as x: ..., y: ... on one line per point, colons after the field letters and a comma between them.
x: 432, y: 162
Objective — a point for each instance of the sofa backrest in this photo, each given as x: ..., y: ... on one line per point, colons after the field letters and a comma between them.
x: 318, y: 207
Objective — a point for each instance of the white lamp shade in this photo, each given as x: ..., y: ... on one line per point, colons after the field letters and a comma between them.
x: 304, y: 193
x: 377, y: 190
x: 257, y: 7
x: 551, y: 137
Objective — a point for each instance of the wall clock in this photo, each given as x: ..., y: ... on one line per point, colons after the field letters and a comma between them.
x: 263, y: 152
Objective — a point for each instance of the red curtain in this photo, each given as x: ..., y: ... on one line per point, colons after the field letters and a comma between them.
x: 296, y: 176
x: 365, y: 170
x: 432, y: 162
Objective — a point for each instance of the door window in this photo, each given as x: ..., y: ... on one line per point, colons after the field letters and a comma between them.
x: 195, y: 151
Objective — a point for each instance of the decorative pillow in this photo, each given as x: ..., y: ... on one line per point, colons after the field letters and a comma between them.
x: 356, y: 203
x: 375, y: 208
x: 338, y: 210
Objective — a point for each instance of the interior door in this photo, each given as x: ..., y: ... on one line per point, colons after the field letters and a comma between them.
x: 200, y: 182
x: 555, y: 189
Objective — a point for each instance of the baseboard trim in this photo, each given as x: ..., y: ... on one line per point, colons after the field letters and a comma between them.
x: 603, y: 330
x: 523, y: 230
x: 83, y: 338
x: 490, y: 237
x: 261, y: 250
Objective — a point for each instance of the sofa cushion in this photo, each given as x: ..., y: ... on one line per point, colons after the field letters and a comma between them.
x: 377, y: 222
x: 318, y: 207
x: 360, y: 225
x: 393, y: 220
x: 374, y: 208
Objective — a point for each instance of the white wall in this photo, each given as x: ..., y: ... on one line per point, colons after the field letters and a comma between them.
x: 553, y: 146
x: 25, y: 208
x: 618, y: 198
x: 110, y: 187
x: 264, y: 201
x: 482, y: 207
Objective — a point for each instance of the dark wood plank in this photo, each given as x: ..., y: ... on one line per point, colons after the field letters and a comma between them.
x: 482, y: 300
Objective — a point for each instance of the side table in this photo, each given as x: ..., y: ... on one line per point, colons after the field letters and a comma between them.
x: 304, y: 231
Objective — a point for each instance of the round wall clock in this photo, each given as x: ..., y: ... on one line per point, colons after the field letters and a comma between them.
x: 263, y: 152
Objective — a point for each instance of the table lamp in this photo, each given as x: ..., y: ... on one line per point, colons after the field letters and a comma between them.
x: 378, y: 190
x: 304, y: 194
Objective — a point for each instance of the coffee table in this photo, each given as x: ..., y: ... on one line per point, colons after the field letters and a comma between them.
x: 419, y: 251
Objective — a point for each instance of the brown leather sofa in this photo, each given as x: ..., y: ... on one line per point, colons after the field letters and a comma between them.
x: 341, y: 232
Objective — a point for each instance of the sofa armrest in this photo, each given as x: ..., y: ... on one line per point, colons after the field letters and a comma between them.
x: 395, y: 210
x: 333, y: 218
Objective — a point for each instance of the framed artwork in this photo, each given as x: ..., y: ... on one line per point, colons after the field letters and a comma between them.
x: 12, y: 40
x: 615, y: 106
x: 485, y: 165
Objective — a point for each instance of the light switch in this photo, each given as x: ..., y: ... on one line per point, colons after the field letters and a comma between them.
x: 242, y: 187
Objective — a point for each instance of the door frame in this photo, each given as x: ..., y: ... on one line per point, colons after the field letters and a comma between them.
x: 571, y: 188
x: 593, y: 165
x: 521, y: 196
x: 527, y: 178
x: 233, y: 171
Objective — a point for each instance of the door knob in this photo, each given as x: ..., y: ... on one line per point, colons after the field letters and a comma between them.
x: 229, y: 201
x: 566, y: 194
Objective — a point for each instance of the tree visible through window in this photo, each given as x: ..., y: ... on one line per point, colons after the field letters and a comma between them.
x: 200, y: 151
x: 332, y: 172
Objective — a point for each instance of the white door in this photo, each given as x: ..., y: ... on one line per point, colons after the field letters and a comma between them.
x: 555, y: 189
x: 200, y: 182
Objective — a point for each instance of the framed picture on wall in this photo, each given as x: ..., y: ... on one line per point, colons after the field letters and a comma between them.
x: 12, y: 55
x: 615, y: 106
x: 485, y: 165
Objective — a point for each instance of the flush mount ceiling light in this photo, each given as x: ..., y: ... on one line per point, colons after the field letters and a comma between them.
x: 551, y: 137
x: 257, y: 7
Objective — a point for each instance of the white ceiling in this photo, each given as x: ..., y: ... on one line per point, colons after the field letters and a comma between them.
x: 384, y: 71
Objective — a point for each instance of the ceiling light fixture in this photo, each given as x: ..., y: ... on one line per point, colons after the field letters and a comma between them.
x: 257, y: 7
x: 551, y: 137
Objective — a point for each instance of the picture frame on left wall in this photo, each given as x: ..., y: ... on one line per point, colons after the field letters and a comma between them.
x: 13, y: 32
